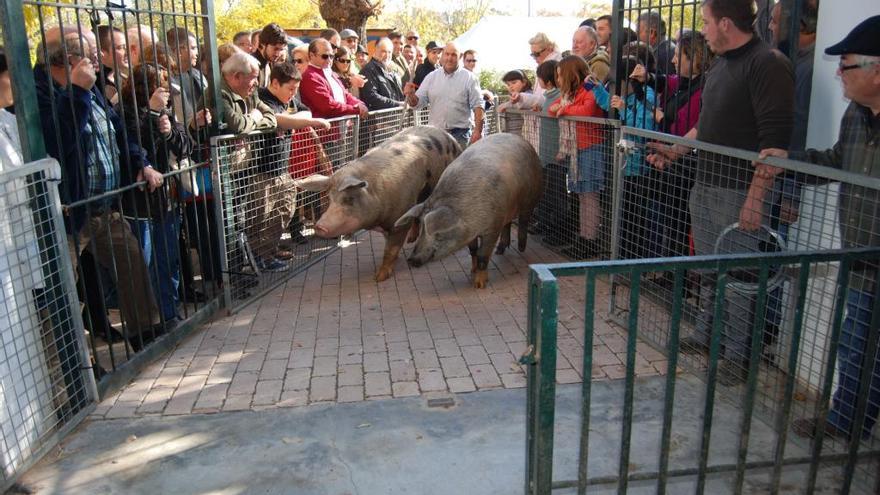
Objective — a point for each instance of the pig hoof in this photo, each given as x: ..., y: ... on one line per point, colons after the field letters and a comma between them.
x: 481, y: 279
x: 383, y: 274
x: 473, y: 264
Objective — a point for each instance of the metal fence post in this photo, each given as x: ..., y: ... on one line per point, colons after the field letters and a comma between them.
x: 619, y: 161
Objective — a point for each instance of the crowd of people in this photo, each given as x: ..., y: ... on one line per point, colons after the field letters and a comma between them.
x: 121, y: 108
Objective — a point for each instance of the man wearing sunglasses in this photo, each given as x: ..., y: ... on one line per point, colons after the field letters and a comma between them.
x: 322, y: 90
x: 412, y: 38
x: 857, y: 150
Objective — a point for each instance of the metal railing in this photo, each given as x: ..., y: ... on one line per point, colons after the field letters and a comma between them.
x: 45, y: 371
x: 667, y: 450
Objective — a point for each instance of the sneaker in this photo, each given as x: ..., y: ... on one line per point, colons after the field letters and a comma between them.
x: 806, y: 428
x: 732, y: 373
x: 272, y: 265
x: 283, y: 255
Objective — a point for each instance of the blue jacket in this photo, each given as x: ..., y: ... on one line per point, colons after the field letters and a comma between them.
x: 69, y: 143
x: 639, y: 113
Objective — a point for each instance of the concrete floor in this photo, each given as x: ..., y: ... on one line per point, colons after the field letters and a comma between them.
x: 396, y: 446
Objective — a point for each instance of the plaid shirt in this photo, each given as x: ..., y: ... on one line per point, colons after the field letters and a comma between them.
x: 858, y: 151
x: 102, y: 170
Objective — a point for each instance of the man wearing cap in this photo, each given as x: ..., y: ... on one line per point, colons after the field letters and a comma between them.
x: 434, y: 49
x: 455, y: 98
x: 350, y: 40
x: 412, y: 38
x: 362, y: 56
x: 857, y: 150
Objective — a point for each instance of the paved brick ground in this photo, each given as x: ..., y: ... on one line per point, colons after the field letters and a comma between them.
x: 333, y: 334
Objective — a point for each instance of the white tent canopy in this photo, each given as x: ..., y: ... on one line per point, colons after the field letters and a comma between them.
x: 502, y: 42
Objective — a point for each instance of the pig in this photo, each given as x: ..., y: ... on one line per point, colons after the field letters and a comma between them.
x: 495, y: 180
x: 373, y: 191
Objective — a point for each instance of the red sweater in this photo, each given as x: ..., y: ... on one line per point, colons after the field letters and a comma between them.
x: 315, y: 93
x: 584, y: 105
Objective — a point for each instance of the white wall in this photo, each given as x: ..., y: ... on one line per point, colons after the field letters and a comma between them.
x: 820, y: 231
x: 836, y: 19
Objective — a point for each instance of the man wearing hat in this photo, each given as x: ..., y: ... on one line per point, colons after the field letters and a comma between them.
x: 350, y: 40
x: 433, y: 49
x: 857, y: 150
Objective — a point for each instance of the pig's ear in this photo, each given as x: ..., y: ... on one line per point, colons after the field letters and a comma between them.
x: 410, y: 216
x: 350, y: 182
x: 315, y: 183
x: 438, y: 219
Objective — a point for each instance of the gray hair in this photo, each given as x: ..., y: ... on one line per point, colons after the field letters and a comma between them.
x: 591, y: 33
x: 543, y: 41
x: 56, y: 51
x: 655, y: 22
x: 387, y: 43
x: 865, y: 60
x: 240, y: 63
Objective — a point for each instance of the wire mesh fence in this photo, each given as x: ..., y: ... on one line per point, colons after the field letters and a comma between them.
x: 267, y: 223
x: 132, y: 145
x: 44, y: 367
x: 696, y: 207
x: 381, y: 125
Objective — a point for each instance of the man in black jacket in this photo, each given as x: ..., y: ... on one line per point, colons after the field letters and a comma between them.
x: 382, y: 89
x: 89, y: 140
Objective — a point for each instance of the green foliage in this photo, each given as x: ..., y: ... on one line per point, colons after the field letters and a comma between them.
x: 432, y: 24
x: 249, y: 15
x: 491, y: 80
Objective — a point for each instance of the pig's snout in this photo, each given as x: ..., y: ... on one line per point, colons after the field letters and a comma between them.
x: 321, y: 231
x: 415, y: 262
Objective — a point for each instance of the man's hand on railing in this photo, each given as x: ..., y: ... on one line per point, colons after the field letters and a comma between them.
x: 365, y: 112
x: 764, y: 170
x: 256, y: 115
x: 159, y: 99
x: 203, y: 119
x: 320, y: 123
x: 164, y: 125
x: 152, y: 176
x: 661, y: 155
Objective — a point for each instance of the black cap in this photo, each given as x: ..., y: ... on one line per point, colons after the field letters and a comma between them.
x: 433, y: 45
x: 864, y: 39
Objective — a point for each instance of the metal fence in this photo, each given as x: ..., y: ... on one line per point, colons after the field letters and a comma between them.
x: 142, y: 250
x: 683, y: 435
x: 45, y: 372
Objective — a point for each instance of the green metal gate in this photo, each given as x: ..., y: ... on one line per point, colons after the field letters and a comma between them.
x: 812, y: 465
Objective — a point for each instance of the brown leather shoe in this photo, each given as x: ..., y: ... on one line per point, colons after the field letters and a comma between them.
x: 806, y: 428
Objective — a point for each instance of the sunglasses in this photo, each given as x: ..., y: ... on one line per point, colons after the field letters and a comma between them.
x: 470, y: 60
x: 538, y: 54
x: 327, y: 56
x: 343, y: 61
x: 412, y: 38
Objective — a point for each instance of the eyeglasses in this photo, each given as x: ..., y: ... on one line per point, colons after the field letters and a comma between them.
x: 843, y: 68
x: 343, y: 61
x: 327, y: 56
x: 410, y: 38
x: 470, y: 60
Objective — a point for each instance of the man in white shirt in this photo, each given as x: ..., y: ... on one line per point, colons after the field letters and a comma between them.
x: 455, y: 98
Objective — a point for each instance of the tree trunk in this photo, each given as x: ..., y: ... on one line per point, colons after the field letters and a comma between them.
x: 349, y: 14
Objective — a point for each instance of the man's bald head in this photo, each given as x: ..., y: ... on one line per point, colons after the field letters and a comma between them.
x: 450, y: 57
x: 139, y: 39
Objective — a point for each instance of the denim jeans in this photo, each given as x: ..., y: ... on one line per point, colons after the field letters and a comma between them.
x: 853, y: 338
x: 462, y: 135
x: 159, y: 242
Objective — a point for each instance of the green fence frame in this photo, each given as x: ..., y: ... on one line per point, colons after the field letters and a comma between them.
x: 540, y: 357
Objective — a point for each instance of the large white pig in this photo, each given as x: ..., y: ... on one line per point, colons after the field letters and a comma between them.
x: 373, y: 191
x: 496, y: 180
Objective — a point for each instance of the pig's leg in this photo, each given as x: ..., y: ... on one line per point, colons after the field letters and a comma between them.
x: 473, y: 247
x: 413, y: 233
x: 393, y: 243
x: 504, y: 243
x: 484, y: 253
x: 522, y: 230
